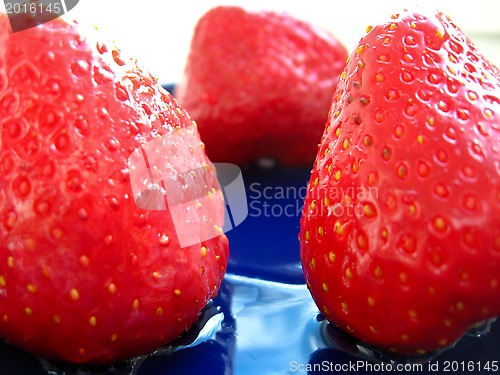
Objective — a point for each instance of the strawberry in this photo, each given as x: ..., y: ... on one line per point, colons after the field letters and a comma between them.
x: 92, y: 270
x: 400, y: 233
x: 259, y: 84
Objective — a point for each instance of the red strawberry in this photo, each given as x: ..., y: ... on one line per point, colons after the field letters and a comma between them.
x: 259, y: 85
x: 86, y: 274
x: 400, y: 234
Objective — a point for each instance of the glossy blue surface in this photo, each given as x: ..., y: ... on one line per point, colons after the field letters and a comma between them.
x: 266, y: 244
x: 264, y: 321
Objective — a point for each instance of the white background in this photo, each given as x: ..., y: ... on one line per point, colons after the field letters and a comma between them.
x: 157, y: 33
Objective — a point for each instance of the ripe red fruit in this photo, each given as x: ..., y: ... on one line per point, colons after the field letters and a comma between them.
x: 86, y: 274
x: 400, y: 234
x: 259, y: 85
